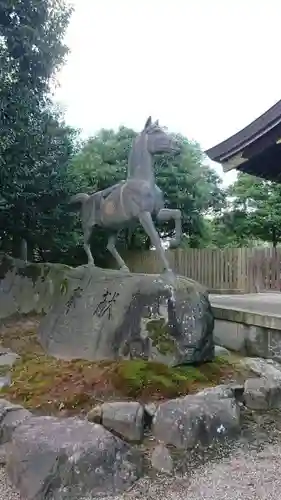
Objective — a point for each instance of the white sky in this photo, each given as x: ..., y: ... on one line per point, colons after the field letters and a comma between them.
x: 205, y: 68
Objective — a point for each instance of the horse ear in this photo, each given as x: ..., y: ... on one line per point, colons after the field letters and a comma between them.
x: 157, y: 123
x: 148, y: 122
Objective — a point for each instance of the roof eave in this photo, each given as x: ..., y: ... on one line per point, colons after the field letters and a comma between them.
x: 262, y: 125
x: 233, y: 159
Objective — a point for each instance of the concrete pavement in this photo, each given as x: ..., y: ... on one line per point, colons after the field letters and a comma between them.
x: 267, y: 302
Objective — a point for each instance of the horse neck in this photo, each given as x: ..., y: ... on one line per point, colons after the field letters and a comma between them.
x: 140, y: 164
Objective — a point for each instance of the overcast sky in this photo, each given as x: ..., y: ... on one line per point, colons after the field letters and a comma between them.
x: 205, y: 68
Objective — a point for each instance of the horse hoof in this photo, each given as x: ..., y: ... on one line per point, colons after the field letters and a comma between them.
x: 125, y: 269
x: 170, y: 277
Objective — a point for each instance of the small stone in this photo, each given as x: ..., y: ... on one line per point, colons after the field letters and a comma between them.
x: 95, y: 415
x: 5, y: 380
x: 11, y: 415
x: 220, y: 391
x: 161, y: 459
x: 262, y: 393
x: 238, y: 391
x: 8, y: 358
x: 10, y: 421
x: 64, y: 413
x: 151, y: 409
x: 125, y: 419
x: 6, y: 407
x: 232, y: 390
x: 221, y: 351
x: 149, y: 412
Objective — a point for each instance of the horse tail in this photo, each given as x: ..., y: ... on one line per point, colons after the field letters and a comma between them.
x: 79, y: 198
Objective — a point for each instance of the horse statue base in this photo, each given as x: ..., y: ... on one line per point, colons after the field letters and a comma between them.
x: 107, y: 314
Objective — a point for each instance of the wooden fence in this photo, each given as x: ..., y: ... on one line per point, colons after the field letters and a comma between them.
x: 229, y: 270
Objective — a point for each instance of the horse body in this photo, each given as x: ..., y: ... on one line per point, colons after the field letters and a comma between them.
x: 120, y: 205
x: 135, y: 200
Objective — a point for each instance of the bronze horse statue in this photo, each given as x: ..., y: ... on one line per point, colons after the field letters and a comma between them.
x: 136, y: 199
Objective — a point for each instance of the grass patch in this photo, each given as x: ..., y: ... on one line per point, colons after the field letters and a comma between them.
x: 49, y: 385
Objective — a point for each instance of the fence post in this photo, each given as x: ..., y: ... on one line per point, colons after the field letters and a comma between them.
x: 242, y: 280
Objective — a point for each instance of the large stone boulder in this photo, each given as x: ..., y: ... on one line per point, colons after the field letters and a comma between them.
x: 107, y: 314
x: 28, y: 287
x: 197, y: 420
x: 52, y: 458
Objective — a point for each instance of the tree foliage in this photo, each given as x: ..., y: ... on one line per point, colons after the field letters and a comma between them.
x: 35, y: 144
x: 254, y: 213
x: 260, y: 202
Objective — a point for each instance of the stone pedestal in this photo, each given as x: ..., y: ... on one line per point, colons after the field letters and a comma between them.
x: 108, y: 314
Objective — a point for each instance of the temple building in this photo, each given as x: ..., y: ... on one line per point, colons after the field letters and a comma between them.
x: 256, y: 149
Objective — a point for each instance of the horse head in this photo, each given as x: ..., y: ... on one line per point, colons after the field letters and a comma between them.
x: 159, y: 141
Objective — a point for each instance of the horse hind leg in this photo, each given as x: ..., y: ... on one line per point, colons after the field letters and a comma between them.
x: 87, y: 235
x: 112, y: 249
x: 88, y: 217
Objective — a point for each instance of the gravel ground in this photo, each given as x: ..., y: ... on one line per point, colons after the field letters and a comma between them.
x: 6, y: 491
x: 246, y: 475
x: 248, y: 470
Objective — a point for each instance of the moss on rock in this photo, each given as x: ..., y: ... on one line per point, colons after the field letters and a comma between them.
x: 43, y: 382
x: 33, y: 287
x: 141, y: 378
x: 36, y: 272
x: 51, y: 386
x: 42, y: 271
x: 160, y: 336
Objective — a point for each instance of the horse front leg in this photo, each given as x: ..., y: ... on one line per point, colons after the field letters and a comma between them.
x: 166, y: 214
x: 148, y: 225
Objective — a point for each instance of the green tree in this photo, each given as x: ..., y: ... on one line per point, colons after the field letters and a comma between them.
x: 35, y: 145
x: 253, y: 213
x: 230, y: 229
x: 260, y: 202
